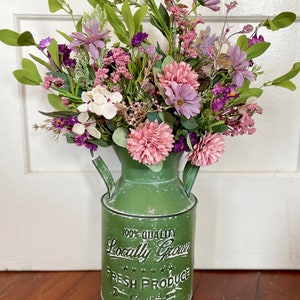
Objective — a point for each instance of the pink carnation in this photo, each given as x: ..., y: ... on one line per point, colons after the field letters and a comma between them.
x: 181, y: 73
x: 208, y: 150
x: 150, y: 143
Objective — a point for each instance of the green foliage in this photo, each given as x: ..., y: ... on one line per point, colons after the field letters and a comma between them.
x: 117, y: 24
x: 139, y: 17
x: 29, y: 74
x: 282, y: 20
x: 242, y: 42
x: 189, y: 124
x: 257, y: 50
x: 157, y: 167
x: 119, y: 136
x: 9, y: 37
x: 53, y: 51
x: 55, y: 102
x: 42, y: 62
x: 284, y: 80
x: 13, y: 38
x: 54, y: 5
x: 26, y: 39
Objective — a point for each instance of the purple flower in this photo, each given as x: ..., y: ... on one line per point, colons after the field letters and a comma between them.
x: 184, y: 98
x: 91, y: 146
x: 222, y: 94
x: 44, y: 43
x: 240, y: 64
x: 64, y: 54
x: 92, y: 40
x: 181, y: 144
x: 255, y: 39
x: 211, y: 4
x: 138, y: 38
x: 64, y: 123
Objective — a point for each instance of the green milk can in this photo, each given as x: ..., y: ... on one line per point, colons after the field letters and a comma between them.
x: 148, y: 227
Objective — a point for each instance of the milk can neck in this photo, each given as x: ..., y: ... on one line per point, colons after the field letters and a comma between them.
x: 133, y: 170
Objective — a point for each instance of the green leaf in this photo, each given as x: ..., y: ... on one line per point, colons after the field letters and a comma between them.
x: 189, y: 176
x: 78, y: 27
x: 289, y: 75
x: 168, y: 118
x: 246, y: 94
x: 116, y: 23
x: 257, y: 50
x: 168, y: 60
x: 128, y: 18
x: 29, y: 74
x: 139, y: 16
x: 9, y: 37
x: 286, y: 84
x: 282, y: 20
x: 42, y: 62
x: 55, y: 102
x: 189, y: 124
x: 100, y: 143
x: 242, y: 42
x: 157, y: 167
x: 164, y: 14
x: 54, y: 5
x: 26, y: 39
x: 25, y: 77
x: 159, y: 20
x: 153, y: 116
x: 119, y: 137
x: 53, y: 51
x: 66, y: 36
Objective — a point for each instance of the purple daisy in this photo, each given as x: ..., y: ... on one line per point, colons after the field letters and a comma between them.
x: 92, y: 40
x: 44, y: 43
x: 184, y: 98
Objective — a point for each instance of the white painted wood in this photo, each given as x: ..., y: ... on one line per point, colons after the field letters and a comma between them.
x: 50, y: 213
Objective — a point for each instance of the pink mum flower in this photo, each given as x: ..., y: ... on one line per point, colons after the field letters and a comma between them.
x: 208, y: 150
x: 181, y: 73
x: 150, y: 143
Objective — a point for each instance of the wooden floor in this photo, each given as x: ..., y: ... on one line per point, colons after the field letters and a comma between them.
x: 208, y: 285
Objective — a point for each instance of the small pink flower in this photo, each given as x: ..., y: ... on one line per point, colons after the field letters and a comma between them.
x: 231, y: 6
x: 208, y: 150
x: 181, y: 73
x: 150, y: 143
x: 48, y: 80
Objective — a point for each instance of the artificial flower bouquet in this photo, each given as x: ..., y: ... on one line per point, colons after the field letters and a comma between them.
x: 153, y: 98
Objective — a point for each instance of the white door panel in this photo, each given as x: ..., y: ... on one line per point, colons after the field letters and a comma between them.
x: 248, y: 215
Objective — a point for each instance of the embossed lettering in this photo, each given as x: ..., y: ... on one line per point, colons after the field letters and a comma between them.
x: 139, y: 253
x: 167, y: 250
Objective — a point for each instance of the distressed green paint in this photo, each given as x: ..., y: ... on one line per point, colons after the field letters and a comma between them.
x: 148, y: 228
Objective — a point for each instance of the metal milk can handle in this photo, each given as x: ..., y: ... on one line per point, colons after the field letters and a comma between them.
x: 188, y: 176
